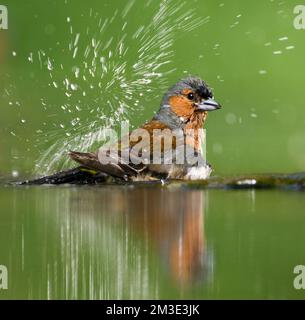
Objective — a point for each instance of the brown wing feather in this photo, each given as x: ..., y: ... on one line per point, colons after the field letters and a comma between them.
x: 120, y: 167
x: 90, y: 160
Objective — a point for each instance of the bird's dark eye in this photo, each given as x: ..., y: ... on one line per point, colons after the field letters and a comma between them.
x: 190, y: 96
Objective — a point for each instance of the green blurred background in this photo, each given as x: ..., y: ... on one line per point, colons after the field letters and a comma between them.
x: 249, y: 52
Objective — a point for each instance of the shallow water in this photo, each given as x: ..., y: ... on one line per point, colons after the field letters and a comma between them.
x: 150, y: 242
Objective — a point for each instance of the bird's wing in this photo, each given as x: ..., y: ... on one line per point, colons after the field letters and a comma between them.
x: 123, y: 164
x: 117, y: 167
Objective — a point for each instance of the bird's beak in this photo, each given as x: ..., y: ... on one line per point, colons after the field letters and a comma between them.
x: 208, y: 105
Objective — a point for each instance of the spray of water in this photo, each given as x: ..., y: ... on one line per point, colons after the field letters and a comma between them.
x: 116, y: 86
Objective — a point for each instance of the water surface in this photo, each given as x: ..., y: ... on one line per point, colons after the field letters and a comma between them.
x: 137, y: 242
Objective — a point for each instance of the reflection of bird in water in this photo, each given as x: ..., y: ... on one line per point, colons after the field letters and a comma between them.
x: 116, y: 242
x: 173, y: 221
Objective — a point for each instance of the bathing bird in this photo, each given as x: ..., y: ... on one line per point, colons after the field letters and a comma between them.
x: 169, y: 146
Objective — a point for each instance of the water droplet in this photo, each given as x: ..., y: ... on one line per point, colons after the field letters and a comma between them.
x: 76, y: 72
x: 231, y: 118
x: 75, y: 121
x: 76, y: 39
x: 49, y: 65
x: 30, y: 57
x: 15, y: 173
x: 75, y: 52
x: 289, y: 47
x: 73, y: 86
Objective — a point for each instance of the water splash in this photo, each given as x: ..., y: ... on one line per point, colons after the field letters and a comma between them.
x: 116, y: 82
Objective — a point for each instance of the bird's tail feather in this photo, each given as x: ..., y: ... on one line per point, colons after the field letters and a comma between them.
x: 79, y: 175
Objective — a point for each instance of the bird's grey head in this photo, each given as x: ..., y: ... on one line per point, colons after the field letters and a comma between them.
x: 195, y: 90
